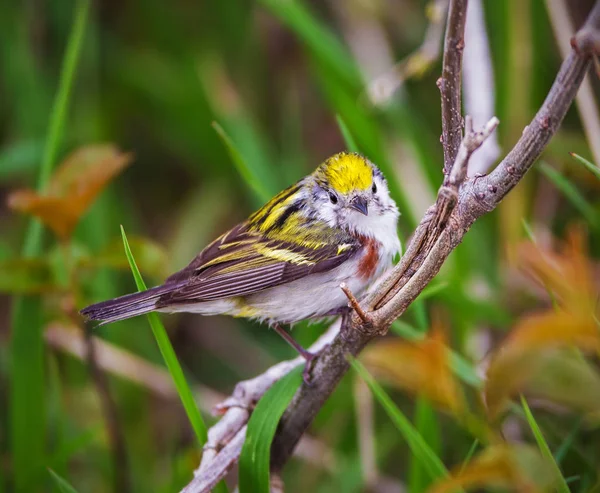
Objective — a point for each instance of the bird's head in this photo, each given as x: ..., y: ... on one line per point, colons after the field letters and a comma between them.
x: 349, y: 191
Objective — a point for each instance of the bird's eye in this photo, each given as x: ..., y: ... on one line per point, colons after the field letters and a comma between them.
x: 374, y: 188
x: 333, y: 198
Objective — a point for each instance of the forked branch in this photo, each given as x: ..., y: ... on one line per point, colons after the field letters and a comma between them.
x: 458, y: 205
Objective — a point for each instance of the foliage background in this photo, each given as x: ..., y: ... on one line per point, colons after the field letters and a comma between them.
x: 152, y: 78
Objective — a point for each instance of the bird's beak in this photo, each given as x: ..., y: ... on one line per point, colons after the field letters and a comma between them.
x: 360, y: 204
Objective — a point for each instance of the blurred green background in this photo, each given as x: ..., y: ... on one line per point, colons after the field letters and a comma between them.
x: 279, y: 77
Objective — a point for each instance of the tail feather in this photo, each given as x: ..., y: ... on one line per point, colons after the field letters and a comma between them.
x: 130, y: 305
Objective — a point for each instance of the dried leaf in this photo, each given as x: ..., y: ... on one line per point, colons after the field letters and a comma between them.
x: 525, y: 352
x: 73, y: 187
x: 420, y: 367
x: 518, y: 467
x: 567, y: 273
x: 566, y: 378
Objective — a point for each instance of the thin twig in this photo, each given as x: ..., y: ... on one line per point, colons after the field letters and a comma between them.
x: 355, y: 305
x: 450, y: 82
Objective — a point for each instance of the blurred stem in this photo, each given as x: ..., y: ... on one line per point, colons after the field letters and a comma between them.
x: 122, y: 481
x: 27, y: 410
x: 586, y: 104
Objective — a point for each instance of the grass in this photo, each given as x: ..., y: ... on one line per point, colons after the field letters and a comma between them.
x: 421, y: 450
x: 27, y: 398
x: 254, y: 476
x: 561, y: 484
x: 168, y: 353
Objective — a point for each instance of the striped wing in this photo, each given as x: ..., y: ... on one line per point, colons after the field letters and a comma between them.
x: 243, y: 262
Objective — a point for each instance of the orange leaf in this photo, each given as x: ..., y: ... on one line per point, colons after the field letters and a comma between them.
x: 73, y: 187
x: 568, y: 273
x: 524, y: 353
x: 420, y: 367
x: 518, y: 467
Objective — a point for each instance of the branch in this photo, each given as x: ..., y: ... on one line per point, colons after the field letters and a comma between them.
x: 421, y: 262
x: 432, y: 242
x: 444, y: 225
x: 225, y: 439
x: 450, y: 82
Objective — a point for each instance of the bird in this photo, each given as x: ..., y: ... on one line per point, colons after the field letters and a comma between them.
x: 286, y: 262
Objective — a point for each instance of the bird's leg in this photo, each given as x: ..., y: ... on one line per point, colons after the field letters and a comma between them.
x: 307, y: 355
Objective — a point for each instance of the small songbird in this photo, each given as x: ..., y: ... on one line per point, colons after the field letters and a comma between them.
x: 286, y: 262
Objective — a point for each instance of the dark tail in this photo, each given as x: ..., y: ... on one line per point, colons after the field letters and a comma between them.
x: 130, y: 305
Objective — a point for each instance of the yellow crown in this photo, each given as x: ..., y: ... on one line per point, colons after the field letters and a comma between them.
x: 345, y: 172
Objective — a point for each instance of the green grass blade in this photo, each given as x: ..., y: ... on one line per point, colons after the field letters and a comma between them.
x: 567, y: 443
x: 242, y: 166
x: 427, y: 425
x: 346, y: 134
x: 432, y: 290
x: 423, y: 453
x: 168, y: 353
x: 589, y: 165
x: 469, y: 455
x: 321, y: 41
x: 61, y: 484
x: 571, y: 192
x: 528, y: 230
x: 561, y: 484
x: 27, y: 411
x: 254, y: 476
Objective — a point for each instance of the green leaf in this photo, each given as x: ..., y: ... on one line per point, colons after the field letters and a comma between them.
x: 428, y: 426
x: 20, y: 157
x: 27, y: 410
x: 322, y: 42
x: 422, y: 452
x: 255, y: 458
x: 469, y: 455
x: 528, y: 230
x: 62, y: 485
x: 26, y: 276
x: 561, y: 485
x: 346, y: 134
x: 567, y: 443
x: 590, y: 166
x: 571, y: 192
x: 168, y: 354
x: 242, y: 165
x: 431, y: 290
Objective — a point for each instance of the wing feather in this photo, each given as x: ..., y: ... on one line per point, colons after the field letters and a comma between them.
x: 246, y: 261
